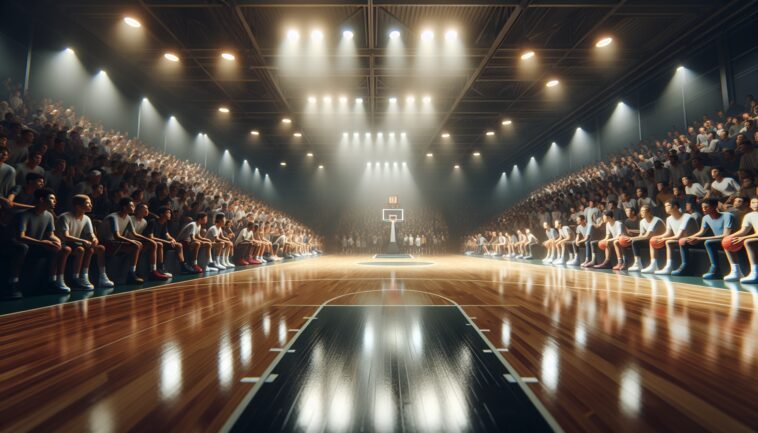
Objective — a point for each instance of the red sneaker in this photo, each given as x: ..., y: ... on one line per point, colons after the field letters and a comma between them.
x: 255, y: 262
x: 157, y: 275
x: 242, y: 262
x: 197, y: 269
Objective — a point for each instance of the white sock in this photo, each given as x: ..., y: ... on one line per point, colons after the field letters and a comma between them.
x: 75, y: 276
x: 194, y: 262
x: 134, y: 269
x: 60, y: 278
x: 153, y: 267
x: 102, y: 270
x: 52, y: 278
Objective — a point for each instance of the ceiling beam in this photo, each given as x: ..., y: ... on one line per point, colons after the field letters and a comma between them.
x: 504, y: 30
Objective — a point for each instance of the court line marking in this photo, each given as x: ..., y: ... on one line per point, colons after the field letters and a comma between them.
x: 235, y: 415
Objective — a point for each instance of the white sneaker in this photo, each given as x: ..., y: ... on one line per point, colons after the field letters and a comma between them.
x: 211, y: 267
x: 734, y: 274
x: 558, y: 262
x: 104, y: 282
x: 61, y: 285
x: 219, y: 266
x: 649, y: 269
x: 635, y: 267
x: 84, y: 283
x: 229, y: 264
x: 665, y: 271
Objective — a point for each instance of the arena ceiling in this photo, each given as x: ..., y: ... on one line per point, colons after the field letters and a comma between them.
x: 489, y: 85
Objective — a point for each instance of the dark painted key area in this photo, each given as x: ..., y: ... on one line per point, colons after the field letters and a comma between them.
x: 390, y: 369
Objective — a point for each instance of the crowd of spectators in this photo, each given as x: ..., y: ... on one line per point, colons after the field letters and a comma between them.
x: 362, y: 230
x: 714, y: 161
x: 71, y: 188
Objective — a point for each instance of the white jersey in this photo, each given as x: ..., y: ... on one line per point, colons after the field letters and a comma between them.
x: 139, y: 225
x: 113, y: 223
x: 678, y: 226
x: 244, y: 235
x: 614, y: 230
x: 189, y: 231
x: 655, y: 225
x: 213, y: 232
x: 751, y: 220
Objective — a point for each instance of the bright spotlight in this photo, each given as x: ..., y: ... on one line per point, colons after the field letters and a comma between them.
x: 145, y: 99
x: 223, y: 109
x: 404, y: 164
x: 427, y: 99
x: 427, y: 35
x: 347, y: 34
x: 312, y: 99
x: 490, y: 133
x: 445, y: 135
x: 393, y: 100
x: 527, y: 55
x: 293, y: 35
x: 680, y: 68
x: 283, y: 164
x: 368, y: 164
x: 507, y: 122
x: 328, y: 99
x: 70, y: 50
x: 102, y: 71
x: 286, y: 120
x: 402, y: 134
x: 309, y: 154
x: 132, y: 22
x: 429, y: 155
x: 320, y: 167
x: 394, y: 34
x: 456, y: 166
x: 359, y: 100
x: 254, y: 132
x: 344, y: 134
x: 297, y: 134
x: 410, y: 99
x: 228, y: 56
x: 477, y: 154
x: 343, y: 99
x: 604, y: 42
x: 317, y: 35
x: 171, y: 57
x: 552, y: 83
x: 451, y: 35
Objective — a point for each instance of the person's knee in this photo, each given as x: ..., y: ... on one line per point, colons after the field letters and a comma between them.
x: 65, y: 250
x: 78, y: 251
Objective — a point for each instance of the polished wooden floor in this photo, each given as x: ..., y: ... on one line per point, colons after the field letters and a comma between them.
x: 611, y: 353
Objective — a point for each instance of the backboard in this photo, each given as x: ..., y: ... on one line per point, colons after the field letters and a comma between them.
x: 395, y: 215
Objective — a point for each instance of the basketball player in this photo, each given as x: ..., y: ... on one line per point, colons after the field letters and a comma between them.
x: 613, y: 230
x: 549, y: 244
x: 529, y: 241
x: 650, y: 226
x: 191, y: 240
x: 583, y: 238
x: 717, y: 224
x: 566, y: 236
x: 678, y: 225
x: 747, y: 235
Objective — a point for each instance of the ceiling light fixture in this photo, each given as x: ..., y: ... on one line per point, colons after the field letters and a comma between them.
x: 228, y: 56
x: 223, y: 109
x: 347, y: 34
x: 309, y: 154
x: 298, y: 134
x: 328, y: 99
x: 507, y: 122
x: 132, y: 22
x: 394, y: 34
x: 286, y: 120
x: 343, y: 99
x: 456, y: 166
x: 359, y: 100
x: 312, y: 99
x: 427, y: 99
x: 527, y: 55
x: 429, y: 155
x: 604, y: 42
x: 171, y: 57
x: 427, y: 35
x: 317, y: 35
x: 393, y: 100
x: 254, y: 132
x: 552, y: 83
x: 283, y: 164
x: 410, y: 99
x: 320, y: 167
x: 293, y: 35
x: 477, y: 154
x: 490, y: 133
x: 445, y: 135
x: 451, y: 35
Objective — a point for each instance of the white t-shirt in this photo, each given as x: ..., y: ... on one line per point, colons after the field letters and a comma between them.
x: 751, y: 220
x: 655, y: 225
x: 727, y: 186
x: 695, y: 189
x: 213, y: 232
x: 67, y: 222
x: 244, y: 235
x: 566, y: 232
x: 614, y: 230
x: 113, y: 223
x: 680, y: 225
x: 139, y: 225
x: 189, y: 231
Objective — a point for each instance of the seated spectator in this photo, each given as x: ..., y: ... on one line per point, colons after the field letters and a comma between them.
x: 22, y: 197
x: 191, y: 240
x: 650, y: 225
x: 678, y: 225
x: 721, y: 186
x: 115, y: 230
x: 613, y: 230
x: 75, y: 230
x: 154, y: 249
x: 693, y: 189
x: 552, y: 236
x: 565, y: 237
x: 745, y: 236
x: 714, y: 227
x: 222, y: 247
x: 246, y: 246
x: 33, y: 236
x: 157, y: 231
x: 7, y: 179
x: 584, y: 238
x: 31, y: 165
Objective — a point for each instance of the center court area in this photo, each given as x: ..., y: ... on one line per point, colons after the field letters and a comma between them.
x: 466, y: 338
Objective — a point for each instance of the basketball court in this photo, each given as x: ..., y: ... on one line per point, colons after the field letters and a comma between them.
x: 329, y: 344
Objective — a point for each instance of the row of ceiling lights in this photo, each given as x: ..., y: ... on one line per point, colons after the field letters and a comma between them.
x: 394, y: 34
